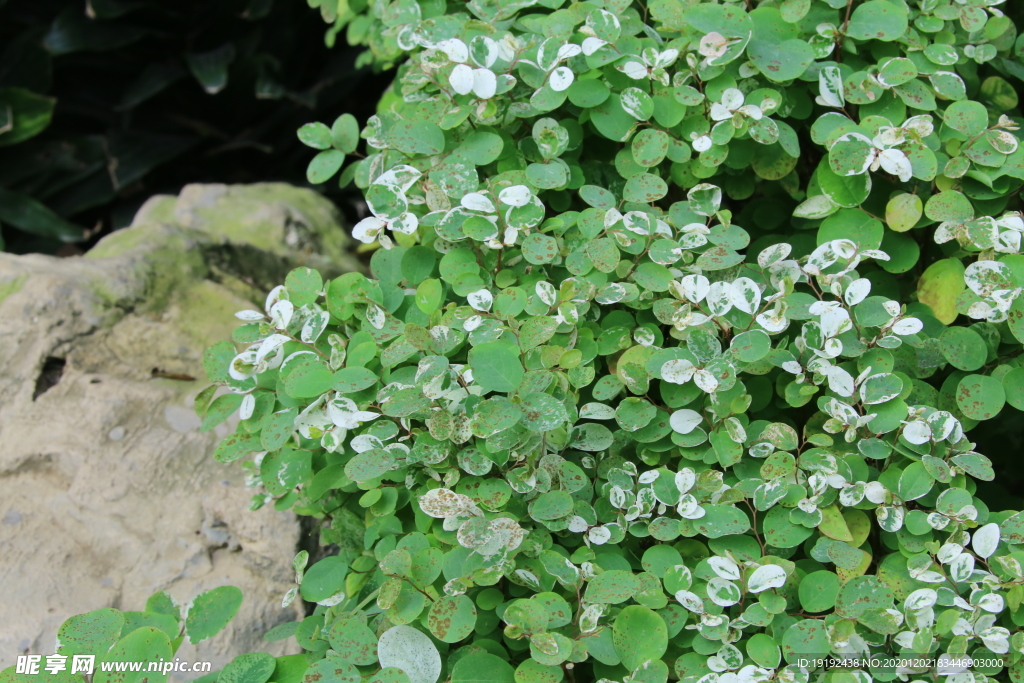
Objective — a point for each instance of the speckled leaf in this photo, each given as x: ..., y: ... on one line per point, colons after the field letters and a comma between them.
x: 949, y: 206
x: 639, y: 635
x: 209, y: 612
x: 90, y: 633
x: 877, y: 20
x: 253, y: 667
x: 612, y: 586
x: 980, y: 397
x: 353, y: 641
x: 408, y: 649
x: 452, y: 618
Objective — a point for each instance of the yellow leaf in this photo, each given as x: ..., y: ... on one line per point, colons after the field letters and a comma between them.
x: 903, y: 212
x: 859, y: 570
x: 833, y: 525
x: 859, y: 525
x: 939, y: 287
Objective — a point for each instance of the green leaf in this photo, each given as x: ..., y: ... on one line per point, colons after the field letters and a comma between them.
x: 722, y: 520
x: 612, y: 586
x: 861, y: 594
x: 496, y: 366
x: 429, y: 295
x: 880, y: 388
x: 482, y: 147
x: 304, y: 285
x: 1013, y: 386
x: 551, y: 505
x: 650, y: 147
x: 90, y: 633
x: 968, y: 117
x: 253, y: 667
x: 719, y: 258
x: 452, y: 618
x: 530, y: 671
x: 849, y: 191
x: 980, y: 397
x: 315, y: 135
x: 216, y: 360
x: 603, y: 253
x: 611, y: 120
x: 369, y: 465
x: 324, y: 165
x: 389, y: 674
x: 162, y: 603
x: 482, y: 667
x: 976, y: 465
x: 763, y: 649
x: 539, y: 249
x: 278, y: 429
x: 345, y: 133
x: 634, y: 413
x: 307, y: 377
x: 834, y: 525
x: 877, y: 20
x: 751, y: 346
x: 237, y: 445
x: 806, y: 638
x: 26, y: 213
x: 417, y: 137
x: 542, y: 412
x: 588, y: 93
x: 529, y: 615
x: 637, y: 103
x: 963, y: 348
x: 24, y: 114
x: 639, y: 635
x: 653, y: 277
x: 781, y: 532
x: 353, y: 641
x: 949, y: 206
x: 854, y: 225
x: 418, y: 264
x: 897, y: 71
x: 331, y: 669
x: 818, y: 591
x: 915, y: 482
x: 645, y: 188
x: 210, y: 612
x: 781, y: 61
x: 211, y: 68
x: 145, y: 644
x: 167, y: 623
x: 351, y: 380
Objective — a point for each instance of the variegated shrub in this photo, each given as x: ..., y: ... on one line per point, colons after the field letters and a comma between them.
x: 681, y: 315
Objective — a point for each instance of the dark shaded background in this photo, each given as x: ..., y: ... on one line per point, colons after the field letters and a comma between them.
x: 132, y: 114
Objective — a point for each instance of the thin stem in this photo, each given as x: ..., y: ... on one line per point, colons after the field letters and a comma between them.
x: 842, y: 32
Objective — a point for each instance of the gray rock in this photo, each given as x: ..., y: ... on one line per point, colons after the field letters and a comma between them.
x: 107, y: 491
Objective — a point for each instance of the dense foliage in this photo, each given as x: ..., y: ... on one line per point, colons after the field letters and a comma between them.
x: 104, y: 103
x: 596, y: 426
x: 681, y: 315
